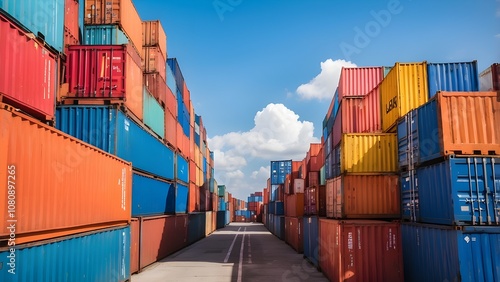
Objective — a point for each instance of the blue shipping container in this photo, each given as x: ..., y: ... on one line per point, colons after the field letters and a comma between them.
x: 311, y: 239
x: 442, y: 253
x: 452, y: 77
x: 221, y: 219
x: 181, y: 198
x: 408, y: 140
x: 279, y: 170
x: 280, y: 208
x: 177, y: 74
x: 104, y: 35
x: 111, y: 130
x: 460, y: 191
x: 222, y: 204
x: 270, y: 222
x: 171, y: 81
x: 182, y: 169
x: 102, y: 255
x: 279, y: 227
x: 196, y: 227
x: 44, y: 17
x: 152, y: 196
x: 211, y: 185
x: 272, y: 207
x: 409, y: 196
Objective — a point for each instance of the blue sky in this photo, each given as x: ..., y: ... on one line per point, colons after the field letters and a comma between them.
x: 244, y: 62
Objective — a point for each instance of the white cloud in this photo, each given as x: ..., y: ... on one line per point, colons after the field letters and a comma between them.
x: 323, y: 86
x: 261, y: 174
x: 228, y: 160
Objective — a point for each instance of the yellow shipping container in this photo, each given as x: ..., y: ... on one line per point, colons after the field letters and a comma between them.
x: 369, y: 153
x: 403, y: 89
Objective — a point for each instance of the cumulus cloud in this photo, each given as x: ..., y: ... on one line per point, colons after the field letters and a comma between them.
x: 261, y: 174
x: 228, y: 160
x: 323, y: 86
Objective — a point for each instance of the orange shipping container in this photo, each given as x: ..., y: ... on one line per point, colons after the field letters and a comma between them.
x: 154, y: 62
x: 71, y: 27
x: 171, y: 103
x: 134, y: 245
x: 294, y: 233
x: 59, y: 184
x: 186, y: 97
x: 157, y: 86
x: 363, y: 196
x: 192, y: 171
x: 294, y: 205
x: 120, y: 12
x: 171, y: 129
x: 153, y: 34
x: 193, y: 204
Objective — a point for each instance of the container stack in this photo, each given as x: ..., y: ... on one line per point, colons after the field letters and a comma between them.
x: 449, y: 153
x: 61, y: 194
x: 362, y: 195
x: 276, y: 206
x: 254, y: 203
x: 223, y: 213
x: 294, y: 204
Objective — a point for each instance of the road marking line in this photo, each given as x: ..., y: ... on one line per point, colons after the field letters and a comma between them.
x: 231, y: 247
x: 240, y: 267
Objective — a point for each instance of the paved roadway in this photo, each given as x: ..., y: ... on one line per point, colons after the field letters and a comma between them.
x: 238, y: 252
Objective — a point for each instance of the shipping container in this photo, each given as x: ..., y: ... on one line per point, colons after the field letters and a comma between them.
x: 182, y: 170
x: 294, y: 233
x: 360, y: 250
x: 181, y: 198
x: 209, y: 224
x: 311, y: 239
x: 310, y: 201
x: 358, y: 81
x: 221, y: 190
x: 294, y: 205
x: 161, y: 236
x: 364, y: 197
x: 122, y: 12
x: 196, y: 227
x: 462, y: 123
x: 175, y: 79
x: 459, y: 191
x: 408, y: 147
x: 108, y: 72
x: 31, y: 79
x: 445, y: 253
x: 157, y: 86
x: 403, y: 89
x: 153, y: 34
x: 279, y: 227
x: 111, y: 130
x: 221, y: 219
x: 409, y: 195
x: 71, y: 18
x: 367, y: 153
x: 452, y: 77
x: 154, y: 61
x: 102, y: 255
x: 170, y: 130
x: 321, y: 201
x: 43, y: 18
x: 154, y: 114
x: 279, y: 170
x: 110, y: 34
x: 41, y: 165
x: 152, y: 196
x: 135, y: 237
x: 489, y: 79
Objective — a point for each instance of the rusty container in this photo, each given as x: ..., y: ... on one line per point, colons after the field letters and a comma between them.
x: 294, y: 205
x: 52, y: 176
x: 360, y: 250
x: 294, y: 233
x: 364, y: 197
x: 153, y: 34
x: 154, y: 61
x: 135, y: 236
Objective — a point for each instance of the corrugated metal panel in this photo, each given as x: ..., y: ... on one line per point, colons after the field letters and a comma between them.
x: 71, y: 25
x: 360, y: 250
x: 152, y: 196
x: 178, y: 77
x: 135, y: 237
x: 120, y: 12
x: 41, y: 164
x: 409, y: 196
x: 443, y: 253
x: 489, y: 79
x: 221, y: 219
x: 170, y: 129
x: 154, y: 114
x: 104, y: 35
x: 196, y: 227
x: 311, y: 239
x: 103, y: 255
x: 39, y: 16
x: 322, y: 176
x: 154, y: 61
x: 452, y: 77
x: 358, y: 81
x: 403, y: 89
x: 31, y: 79
x: 279, y: 170
x: 294, y: 205
x: 158, y: 88
x: 181, y: 198
x: 153, y: 34
x: 209, y: 223
x: 279, y: 227
x: 364, y: 196
x: 330, y: 188
x: 112, y: 131
x: 459, y: 123
x: 162, y: 236
x: 369, y: 153
x: 408, y: 147
x: 294, y: 233
x: 369, y: 112
x: 182, y: 169
x: 460, y: 191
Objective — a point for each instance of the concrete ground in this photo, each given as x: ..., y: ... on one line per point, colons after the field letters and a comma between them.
x: 238, y: 252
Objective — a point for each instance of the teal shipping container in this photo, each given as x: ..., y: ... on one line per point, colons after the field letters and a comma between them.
x: 102, y: 255
x: 104, y: 35
x: 221, y: 190
x: 44, y: 18
x: 153, y: 113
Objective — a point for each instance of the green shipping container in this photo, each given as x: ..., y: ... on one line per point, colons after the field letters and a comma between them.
x: 154, y: 114
x: 221, y: 190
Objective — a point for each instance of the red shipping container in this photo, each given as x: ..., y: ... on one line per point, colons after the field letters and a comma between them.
x: 360, y: 250
x: 71, y: 21
x: 321, y: 200
x: 29, y: 79
x: 314, y: 149
x: 258, y: 194
x: 310, y: 199
x: 358, y: 81
x: 157, y: 86
x: 186, y: 97
x: 294, y: 205
x: 135, y: 230
x: 313, y: 179
x: 489, y: 79
x: 294, y: 233
x: 192, y: 199
x: 369, y: 111
x: 105, y: 72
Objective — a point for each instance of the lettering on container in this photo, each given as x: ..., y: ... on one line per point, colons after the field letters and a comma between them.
x: 393, y: 103
x: 359, y: 239
x: 350, y: 244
